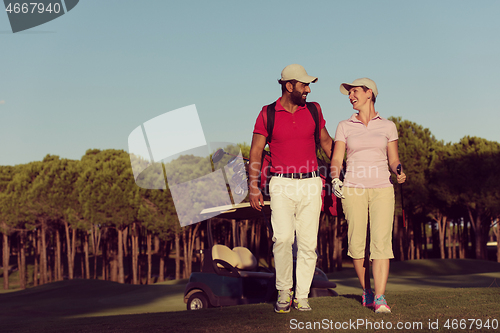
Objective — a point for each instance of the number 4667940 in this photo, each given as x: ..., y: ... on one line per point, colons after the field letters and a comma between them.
x: 454, y: 324
x: 33, y: 7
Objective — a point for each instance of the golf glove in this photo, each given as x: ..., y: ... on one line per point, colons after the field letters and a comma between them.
x: 337, y: 188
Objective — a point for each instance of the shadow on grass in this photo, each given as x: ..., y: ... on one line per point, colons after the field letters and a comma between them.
x: 431, y: 273
x: 72, y: 298
x: 67, y: 305
x: 414, y: 307
x: 357, y: 298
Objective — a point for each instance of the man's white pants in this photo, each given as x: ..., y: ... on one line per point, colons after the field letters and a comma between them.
x: 295, y: 210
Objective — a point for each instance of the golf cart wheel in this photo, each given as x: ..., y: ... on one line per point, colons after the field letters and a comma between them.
x: 197, y: 301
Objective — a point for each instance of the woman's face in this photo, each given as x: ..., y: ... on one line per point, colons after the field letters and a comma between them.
x: 359, y: 97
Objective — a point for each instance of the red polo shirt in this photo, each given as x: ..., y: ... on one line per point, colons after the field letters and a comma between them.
x: 293, y: 147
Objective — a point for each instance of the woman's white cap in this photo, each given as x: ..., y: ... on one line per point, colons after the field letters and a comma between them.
x: 345, y: 87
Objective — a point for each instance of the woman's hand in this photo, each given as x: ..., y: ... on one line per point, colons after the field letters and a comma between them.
x: 401, y: 178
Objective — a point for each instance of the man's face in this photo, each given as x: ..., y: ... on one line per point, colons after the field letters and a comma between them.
x: 299, y: 93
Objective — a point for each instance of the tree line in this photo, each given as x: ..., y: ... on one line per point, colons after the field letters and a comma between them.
x: 87, y: 218
x: 454, y: 187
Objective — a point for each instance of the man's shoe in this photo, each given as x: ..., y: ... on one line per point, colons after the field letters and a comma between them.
x: 301, y: 304
x: 368, y: 298
x: 381, y: 305
x: 284, y: 301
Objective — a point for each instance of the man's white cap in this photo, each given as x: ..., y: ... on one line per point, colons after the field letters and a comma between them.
x: 345, y: 87
x: 296, y: 72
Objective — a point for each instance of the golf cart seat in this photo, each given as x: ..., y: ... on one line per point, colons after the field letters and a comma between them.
x: 238, y: 262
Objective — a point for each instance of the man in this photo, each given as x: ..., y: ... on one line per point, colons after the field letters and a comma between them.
x: 295, y: 186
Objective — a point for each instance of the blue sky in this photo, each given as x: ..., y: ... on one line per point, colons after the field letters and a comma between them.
x: 89, y: 78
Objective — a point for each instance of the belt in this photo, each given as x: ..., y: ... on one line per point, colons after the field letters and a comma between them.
x: 296, y: 175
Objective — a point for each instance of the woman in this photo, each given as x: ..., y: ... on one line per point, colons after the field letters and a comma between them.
x: 372, y: 145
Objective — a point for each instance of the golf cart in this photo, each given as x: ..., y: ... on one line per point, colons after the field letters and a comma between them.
x: 233, y: 276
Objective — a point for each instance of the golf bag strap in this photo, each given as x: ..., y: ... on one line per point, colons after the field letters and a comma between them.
x: 311, y: 106
x: 271, y: 110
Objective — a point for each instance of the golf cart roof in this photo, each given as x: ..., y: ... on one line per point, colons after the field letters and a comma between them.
x: 241, y: 211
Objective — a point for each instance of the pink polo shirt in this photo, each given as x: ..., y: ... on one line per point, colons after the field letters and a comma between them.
x: 367, y: 164
x: 293, y: 148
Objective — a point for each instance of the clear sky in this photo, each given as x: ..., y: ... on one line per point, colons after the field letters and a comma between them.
x: 89, y: 78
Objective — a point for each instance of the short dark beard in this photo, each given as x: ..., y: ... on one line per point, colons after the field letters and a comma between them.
x: 296, y: 98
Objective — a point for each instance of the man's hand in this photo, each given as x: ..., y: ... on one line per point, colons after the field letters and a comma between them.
x: 337, y: 188
x: 256, y: 198
x: 258, y: 144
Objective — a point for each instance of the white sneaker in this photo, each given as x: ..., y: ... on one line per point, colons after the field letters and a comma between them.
x: 284, y: 301
x: 301, y: 304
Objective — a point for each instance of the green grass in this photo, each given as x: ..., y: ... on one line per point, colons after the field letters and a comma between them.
x: 418, y: 291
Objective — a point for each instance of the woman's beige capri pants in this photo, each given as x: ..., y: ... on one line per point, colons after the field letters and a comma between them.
x: 378, y: 204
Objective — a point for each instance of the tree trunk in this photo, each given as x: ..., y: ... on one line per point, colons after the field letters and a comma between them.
x: 149, y: 250
x: 92, y: 238
x: 417, y: 237
x: 442, y: 232
x: 119, y: 259
x: 323, y: 241
x: 332, y: 243
x: 340, y: 234
x: 319, y: 247
x: 36, y: 255
x: 50, y: 257
x: 480, y: 243
x: 411, y: 250
x: 6, y: 257
x: 185, y: 246
x: 86, y: 252
x: 156, y: 244
x: 257, y: 246
x: 235, y: 238
x: 202, y: 248
x: 253, y: 227
x: 96, y: 240
x: 243, y: 234
x: 426, y: 241
x: 192, y: 237
x: 227, y: 237
x: 125, y: 245
x: 135, y: 253
x: 70, y: 245
x: 43, y: 254
x: 82, y: 265
x: 22, y: 260
x: 454, y: 240
x: 177, y: 256
x: 451, y: 239
x: 197, y: 249
x: 58, y: 257
x: 441, y: 222
x: 161, y: 268
x: 401, y: 238
x: 104, y: 255
x: 462, y: 246
x: 112, y: 255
